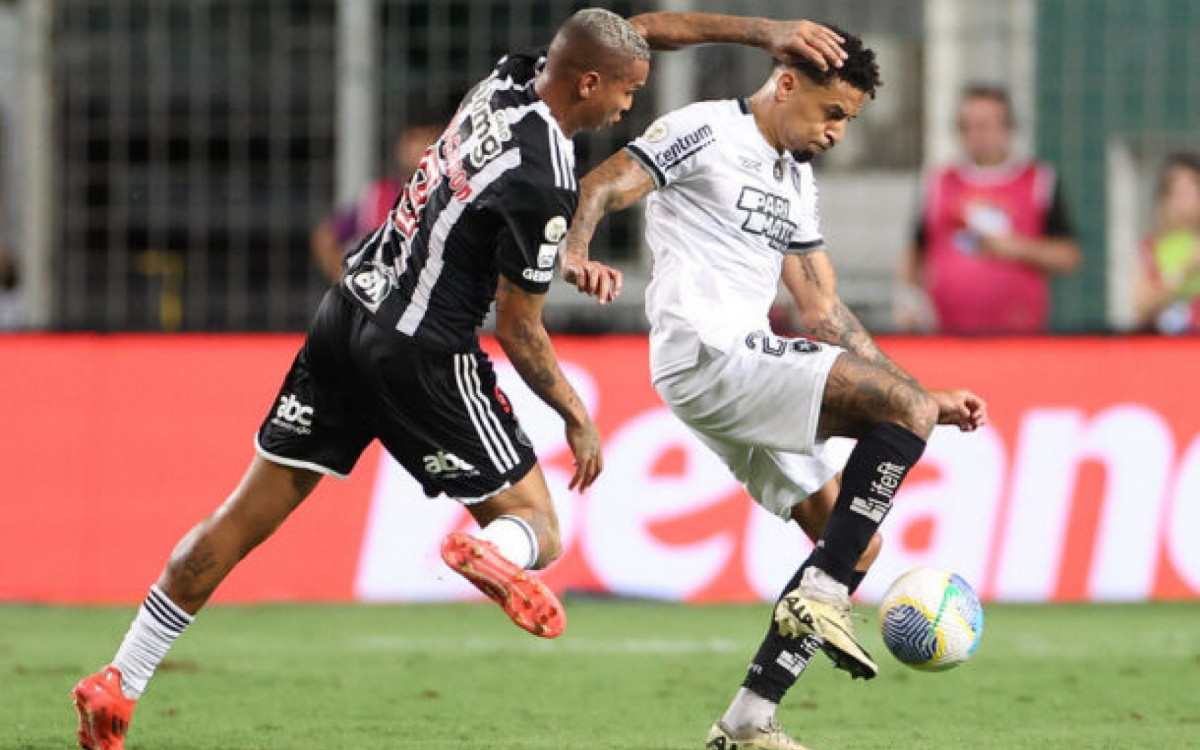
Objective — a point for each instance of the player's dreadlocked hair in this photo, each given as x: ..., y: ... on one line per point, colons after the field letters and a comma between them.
x: 859, y: 69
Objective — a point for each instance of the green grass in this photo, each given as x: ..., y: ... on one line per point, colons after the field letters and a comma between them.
x: 626, y: 675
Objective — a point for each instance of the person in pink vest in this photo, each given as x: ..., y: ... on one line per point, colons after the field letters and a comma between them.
x: 989, y: 232
x: 350, y: 223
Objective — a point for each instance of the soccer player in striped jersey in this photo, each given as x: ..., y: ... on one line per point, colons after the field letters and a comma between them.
x: 732, y: 211
x: 392, y: 354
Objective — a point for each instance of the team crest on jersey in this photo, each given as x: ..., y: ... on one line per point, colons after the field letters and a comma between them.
x: 371, y: 283
x: 555, y: 229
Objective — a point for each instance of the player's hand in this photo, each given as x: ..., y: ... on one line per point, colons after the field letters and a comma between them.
x: 593, y: 278
x: 789, y: 40
x: 961, y: 408
x: 584, y: 441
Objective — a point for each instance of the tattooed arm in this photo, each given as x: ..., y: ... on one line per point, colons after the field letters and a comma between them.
x: 785, y: 40
x: 813, y: 284
x: 615, y: 185
x: 524, y: 339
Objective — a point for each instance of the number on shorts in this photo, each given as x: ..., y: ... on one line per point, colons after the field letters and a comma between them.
x: 778, y: 346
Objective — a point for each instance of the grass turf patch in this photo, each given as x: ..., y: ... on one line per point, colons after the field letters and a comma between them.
x: 625, y: 675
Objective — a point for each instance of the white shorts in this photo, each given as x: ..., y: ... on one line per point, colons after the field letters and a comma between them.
x: 756, y: 405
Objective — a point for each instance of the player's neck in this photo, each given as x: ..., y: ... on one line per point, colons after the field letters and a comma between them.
x: 758, y: 109
x: 558, y: 99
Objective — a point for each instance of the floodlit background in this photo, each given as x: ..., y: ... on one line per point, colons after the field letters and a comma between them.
x: 164, y: 161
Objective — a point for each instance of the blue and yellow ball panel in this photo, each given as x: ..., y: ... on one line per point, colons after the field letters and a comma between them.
x: 908, y: 631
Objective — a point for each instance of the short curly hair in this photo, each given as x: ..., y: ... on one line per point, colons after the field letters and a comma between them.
x: 859, y: 69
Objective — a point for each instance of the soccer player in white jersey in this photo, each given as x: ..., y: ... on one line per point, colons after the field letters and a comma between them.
x: 732, y: 210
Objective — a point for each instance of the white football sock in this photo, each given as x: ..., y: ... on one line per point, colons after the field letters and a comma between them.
x: 514, y: 539
x: 821, y: 586
x: 158, y: 623
x: 748, y: 713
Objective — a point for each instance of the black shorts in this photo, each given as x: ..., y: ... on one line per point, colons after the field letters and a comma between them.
x: 440, y: 414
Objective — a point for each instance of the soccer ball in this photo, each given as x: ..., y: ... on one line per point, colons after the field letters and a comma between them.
x: 931, y: 619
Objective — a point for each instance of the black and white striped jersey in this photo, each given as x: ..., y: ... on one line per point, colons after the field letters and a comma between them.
x: 493, y: 196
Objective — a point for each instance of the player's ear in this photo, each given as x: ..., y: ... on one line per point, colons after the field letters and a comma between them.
x: 786, y: 84
x: 589, y: 84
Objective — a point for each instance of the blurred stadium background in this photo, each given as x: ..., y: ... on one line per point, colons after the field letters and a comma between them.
x: 164, y: 161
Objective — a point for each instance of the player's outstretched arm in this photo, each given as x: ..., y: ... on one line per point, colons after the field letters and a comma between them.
x: 615, y: 185
x: 812, y: 282
x: 784, y: 40
x: 525, y: 341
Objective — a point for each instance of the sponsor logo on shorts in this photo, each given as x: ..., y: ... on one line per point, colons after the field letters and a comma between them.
x: 291, y: 414
x: 538, y: 276
x: 447, y: 466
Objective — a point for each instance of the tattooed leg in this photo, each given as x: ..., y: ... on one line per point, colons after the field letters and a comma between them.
x: 859, y: 394
x: 266, y: 496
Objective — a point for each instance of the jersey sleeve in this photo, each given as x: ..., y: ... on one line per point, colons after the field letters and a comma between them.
x: 533, y: 219
x: 807, y: 235
x: 673, y: 144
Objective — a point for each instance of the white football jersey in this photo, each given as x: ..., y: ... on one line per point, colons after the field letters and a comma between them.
x: 727, y: 208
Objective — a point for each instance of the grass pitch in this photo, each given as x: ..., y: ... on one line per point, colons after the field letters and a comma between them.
x: 625, y: 675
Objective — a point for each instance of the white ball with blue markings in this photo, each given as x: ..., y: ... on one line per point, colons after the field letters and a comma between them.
x: 931, y: 619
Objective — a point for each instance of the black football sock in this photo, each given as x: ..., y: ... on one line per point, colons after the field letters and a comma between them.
x: 856, y: 579
x: 780, y: 660
x: 872, y: 475
x: 779, y: 663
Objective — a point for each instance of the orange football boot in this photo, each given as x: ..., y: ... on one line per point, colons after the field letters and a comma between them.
x: 104, y: 711
x: 526, y: 600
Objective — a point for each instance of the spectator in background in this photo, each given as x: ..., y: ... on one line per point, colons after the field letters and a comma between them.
x: 1167, y: 296
x: 350, y: 223
x: 989, y: 232
x: 11, y: 314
